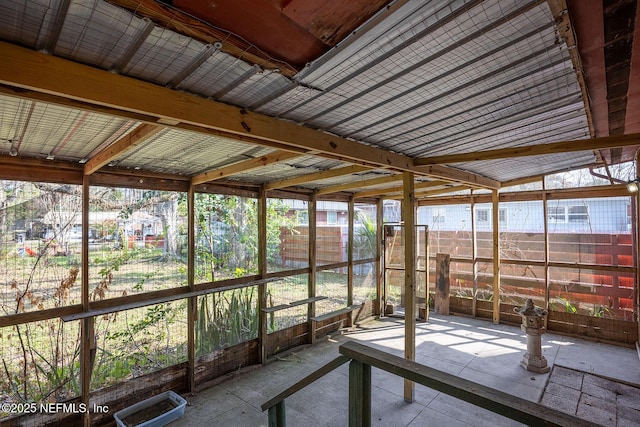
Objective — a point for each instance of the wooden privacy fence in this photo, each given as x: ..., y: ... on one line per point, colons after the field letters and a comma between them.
x: 363, y: 357
x: 595, y: 270
x: 330, y: 245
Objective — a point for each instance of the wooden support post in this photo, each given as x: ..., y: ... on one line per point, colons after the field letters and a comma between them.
x: 443, y: 262
x: 313, y: 232
x: 545, y: 223
x: 350, y: 239
x: 262, y: 268
x: 351, y: 220
x: 496, y: 257
x: 409, y: 219
x: 379, y: 257
x: 426, y: 273
x: 87, y: 341
x: 474, y: 257
x: 359, y: 394
x: 636, y: 235
x: 192, y: 305
x: 278, y: 415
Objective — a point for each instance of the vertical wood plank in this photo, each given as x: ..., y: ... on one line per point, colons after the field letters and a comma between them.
x: 545, y: 224
x: 278, y: 415
x: 313, y: 233
x: 192, y: 306
x: 426, y: 275
x: 262, y: 270
x: 409, y: 220
x: 86, y: 327
x: 359, y: 394
x: 443, y: 262
x: 379, y: 256
x: 636, y: 258
x: 351, y: 216
x: 496, y: 257
x: 474, y: 257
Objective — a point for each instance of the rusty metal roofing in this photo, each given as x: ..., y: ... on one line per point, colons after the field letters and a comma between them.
x: 412, y: 77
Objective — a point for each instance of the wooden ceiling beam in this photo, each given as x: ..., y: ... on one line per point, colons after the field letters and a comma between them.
x: 446, y: 190
x: 534, y: 150
x: 244, y: 166
x: 316, y: 176
x: 430, y: 193
x: 389, y: 191
x: 360, y: 184
x: 76, y: 84
x: 131, y: 140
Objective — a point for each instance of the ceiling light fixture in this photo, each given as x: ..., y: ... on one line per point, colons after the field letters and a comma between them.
x: 632, y: 186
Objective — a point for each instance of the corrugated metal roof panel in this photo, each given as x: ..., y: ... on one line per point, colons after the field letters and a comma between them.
x: 188, y: 153
x: 514, y: 168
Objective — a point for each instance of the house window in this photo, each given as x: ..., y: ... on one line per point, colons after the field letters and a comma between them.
x: 578, y: 213
x: 484, y: 219
x: 332, y: 217
x: 502, y: 217
x: 567, y: 214
x: 557, y: 214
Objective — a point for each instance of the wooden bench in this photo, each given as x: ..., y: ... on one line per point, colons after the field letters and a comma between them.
x: 314, y: 321
x: 291, y: 304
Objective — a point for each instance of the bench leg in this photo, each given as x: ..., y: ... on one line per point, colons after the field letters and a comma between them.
x: 278, y: 415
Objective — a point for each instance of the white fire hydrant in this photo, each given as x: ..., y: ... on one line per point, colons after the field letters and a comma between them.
x: 533, y: 325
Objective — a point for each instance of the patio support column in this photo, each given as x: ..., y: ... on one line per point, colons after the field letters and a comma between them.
x: 262, y: 271
x: 547, y: 290
x: 351, y: 221
x: 474, y: 257
x: 379, y: 254
x: 636, y: 235
x: 87, y: 341
x: 192, y: 306
x: 496, y: 257
x: 409, y: 220
x: 311, y: 308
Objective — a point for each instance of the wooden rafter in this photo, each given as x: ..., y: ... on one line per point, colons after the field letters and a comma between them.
x: 359, y: 184
x: 436, y: 192
x: 244, y: 166
x: 33, y: 74
x: 131, y: 140
x: 392, y: 190
x: 429, y: 193
x: 535, y: 150
x: 317, y: 176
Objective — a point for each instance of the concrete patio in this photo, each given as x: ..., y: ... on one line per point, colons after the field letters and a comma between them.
x: 594, y: 381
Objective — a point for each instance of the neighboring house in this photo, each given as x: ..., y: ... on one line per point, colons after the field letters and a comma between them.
x: 66, y: 226
x: 595, y: 215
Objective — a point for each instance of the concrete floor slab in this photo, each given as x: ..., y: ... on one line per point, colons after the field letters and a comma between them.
x: 471, y: 348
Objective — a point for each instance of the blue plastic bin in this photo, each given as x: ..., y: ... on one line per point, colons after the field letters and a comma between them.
x: 165, y: 418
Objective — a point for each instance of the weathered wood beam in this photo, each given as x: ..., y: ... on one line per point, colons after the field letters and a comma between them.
x: 244, y: 166
x: 316, y: 176
x: 496, y: 256
x: 429, y: 193
x: 360, y: 184
x: 186, y: 24
x: 446, y: 190
x: 32, y: 74
x: 535, y: 150
x: 409, y: 243
x: 391, y: 190
x: 128, y: 142
x: 566, y: 31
